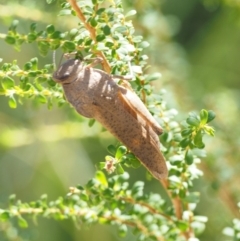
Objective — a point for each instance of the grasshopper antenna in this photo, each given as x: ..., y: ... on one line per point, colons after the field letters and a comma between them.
x: 54, y: 60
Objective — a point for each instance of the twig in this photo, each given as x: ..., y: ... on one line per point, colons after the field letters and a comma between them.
x: 92, y: 33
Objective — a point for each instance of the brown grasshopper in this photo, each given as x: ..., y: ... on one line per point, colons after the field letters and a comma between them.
x: 95, y: 94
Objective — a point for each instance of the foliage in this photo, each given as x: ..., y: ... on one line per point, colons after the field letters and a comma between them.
x: 105, y: 31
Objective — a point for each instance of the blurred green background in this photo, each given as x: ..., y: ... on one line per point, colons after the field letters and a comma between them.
x: 195, y: 45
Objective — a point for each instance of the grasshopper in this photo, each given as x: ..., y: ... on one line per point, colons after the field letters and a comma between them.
x: 95, y: 94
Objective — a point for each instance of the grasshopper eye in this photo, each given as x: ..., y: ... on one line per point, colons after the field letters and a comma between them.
x: 64, y: 76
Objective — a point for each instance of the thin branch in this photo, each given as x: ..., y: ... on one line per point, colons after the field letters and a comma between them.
x: 92, y: 33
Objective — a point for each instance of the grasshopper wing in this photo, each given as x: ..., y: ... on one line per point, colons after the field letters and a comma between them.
x: 127, y: 118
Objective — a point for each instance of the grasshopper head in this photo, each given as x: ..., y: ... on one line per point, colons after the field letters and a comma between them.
x: 68, y: 71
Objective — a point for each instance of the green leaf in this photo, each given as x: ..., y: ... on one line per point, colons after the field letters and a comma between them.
x: 183, y: 226
x: 186, y: 132
x: 57, y: 35
x: 43, y: 48
x: 4, y: 215
x: 69, y: 46
x: 120, y: 152
x: 10, y: 39
x: 65, y: 12
x: 193, y: 121
x: 33, y: 27
x: 153, y: 77
x: 91, y: 122
x: 176, y: 160
x: 22, y: 222
x: 112, y: 149
x: 73, y: 32
x: 50, y: 29
x: 41, y: 98
x: 100, y: 37
x: 203, y: 116
x: 7, y: 83
x: 119, y: 169
x: 27, y: 66
x: 135, y: 163
x: 185, y: 142
x: 211, y: 116
x: 189, y: 157
x: 106, y: 30
x: 31, y: 37
x: 198, y: 139
x: 144, y: 44
x: 100, y: 176
x: 12, y: 102
x: 93, y: 22
x: 12, y: 199
x: 14, y: 25
x: 130, y: 13
x: 121, y: 29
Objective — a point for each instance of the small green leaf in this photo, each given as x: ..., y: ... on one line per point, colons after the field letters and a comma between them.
x: 73, y: 32
x: 211, y: 116
x: 31, y: 37
x: 203, y: 116
x: 153, y: 77
x: 12, y: 102
x: 121, y: 29
x: 4, y: 216
x: 91, y: 122
x: 43, y: 48
x: 100, y: 176
x: 7, y: 83
x: 100, y: 37
x: 119, y: 169
x: 106, y: 30
x: 120, y: 152
x: 183, y: 226
x: 27, y: 66
x: 10, y: 39
x: 112, y: 149
x: 50, y: 29
x: 135, y: 163
x: 193, y: 121
x: 198, y: 139
x: 69, y: 46
x: 33, y: 27
x: 65, y: 12
x: 144, y: 44
x: 22, y: 222
x: 14, y: 25
x: 186, y: 132
x: 101, y: 165
x: 176, y: 160
x: 57, y: 35
x: 130, y: 13
x: 185, y: 142
x: 42, y: 99
x: 93, y: 22
x: 12, y: 199
x: 189, y: 157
